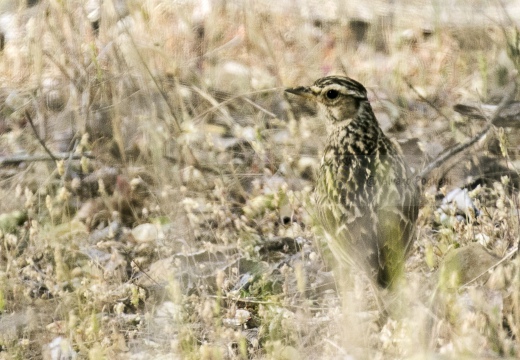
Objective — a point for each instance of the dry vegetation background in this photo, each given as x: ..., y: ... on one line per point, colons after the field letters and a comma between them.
x: 171, y: 223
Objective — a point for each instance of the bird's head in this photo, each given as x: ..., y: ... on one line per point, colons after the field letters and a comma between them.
x: 338, y: 97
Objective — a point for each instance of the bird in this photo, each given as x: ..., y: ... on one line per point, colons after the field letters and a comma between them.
x: 367, y: 200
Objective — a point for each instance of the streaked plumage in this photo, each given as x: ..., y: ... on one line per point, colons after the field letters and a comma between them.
x: 367, y: 201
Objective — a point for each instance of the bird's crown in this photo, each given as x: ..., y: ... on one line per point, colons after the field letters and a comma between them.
x: 343, y: 85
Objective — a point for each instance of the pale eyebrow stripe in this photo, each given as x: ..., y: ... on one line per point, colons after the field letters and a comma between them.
x: 339, y: 88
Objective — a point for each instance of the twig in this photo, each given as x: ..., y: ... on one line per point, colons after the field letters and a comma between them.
x: 69, y: 162
x: 245, y: 300
x: 62, y: 69
x: 509, y: 255
x: 433, y: 106
x: 214, y: 103
x: 461, y: 147
x: 16, y: 159
x: 258, y: 107
x: 137, y: 265
x: 28, y: 116
x: 231, y: 99
x: 176, y: 122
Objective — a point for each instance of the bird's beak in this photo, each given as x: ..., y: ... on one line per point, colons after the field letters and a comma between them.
x: 304, y: 91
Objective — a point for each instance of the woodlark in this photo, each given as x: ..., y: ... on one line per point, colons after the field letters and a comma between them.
x: 367, y: 201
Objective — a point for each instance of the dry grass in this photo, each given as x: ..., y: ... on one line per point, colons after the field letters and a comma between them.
x: 181, y: 232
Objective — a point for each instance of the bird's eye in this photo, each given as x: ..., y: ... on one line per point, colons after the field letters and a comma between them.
x: 332, y: 94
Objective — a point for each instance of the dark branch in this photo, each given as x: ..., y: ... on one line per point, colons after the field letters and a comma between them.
x: 461, y: 147
x: 29, y: 119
